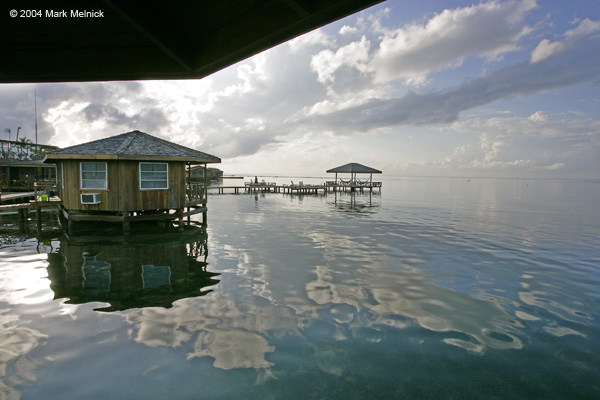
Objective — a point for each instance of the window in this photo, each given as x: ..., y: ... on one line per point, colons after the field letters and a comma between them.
x: 154, y: 175
x: 93, y: 175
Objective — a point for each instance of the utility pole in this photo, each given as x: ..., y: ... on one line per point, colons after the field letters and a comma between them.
x: 35, y: 106
x: 9, y: 155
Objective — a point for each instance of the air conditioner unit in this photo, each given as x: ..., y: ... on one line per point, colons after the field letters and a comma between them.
x: 90, y: 198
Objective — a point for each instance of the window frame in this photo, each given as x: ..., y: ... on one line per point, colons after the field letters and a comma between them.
x: 166, y: 179
x: 81, y: 178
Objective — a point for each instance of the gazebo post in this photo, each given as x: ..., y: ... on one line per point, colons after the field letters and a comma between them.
x: 205, y: 194
x: 336, y: 183
x: 188, y: 190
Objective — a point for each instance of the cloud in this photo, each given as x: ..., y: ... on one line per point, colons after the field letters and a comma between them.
x: 522, y: 79
x: 546, y: 48
x: 310, y: 39
x: 354, y: 55
x: 539, y: 142
x: 348, y: 30
x: 413, y: 52
x: 585, y: 28
x: 539, y: 116
x: 116, y: 119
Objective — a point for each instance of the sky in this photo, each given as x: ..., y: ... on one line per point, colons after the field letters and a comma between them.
x: 413, y: 88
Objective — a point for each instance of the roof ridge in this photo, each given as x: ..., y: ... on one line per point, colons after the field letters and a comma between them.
x: 127, y: 142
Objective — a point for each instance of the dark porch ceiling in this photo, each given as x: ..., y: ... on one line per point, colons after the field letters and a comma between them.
x: 133, y: 40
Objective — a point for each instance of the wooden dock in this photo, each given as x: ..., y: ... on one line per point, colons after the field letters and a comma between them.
x: 194, y: 204
x: 23, y: 210
x: 297, y: 188
x: 14, y: 197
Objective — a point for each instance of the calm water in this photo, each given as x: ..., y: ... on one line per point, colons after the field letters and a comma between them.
x: 435, y: 288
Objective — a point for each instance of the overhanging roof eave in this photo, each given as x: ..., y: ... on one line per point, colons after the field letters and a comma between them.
x: 189, y: 160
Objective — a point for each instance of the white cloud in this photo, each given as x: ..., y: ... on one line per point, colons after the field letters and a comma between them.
x: 353, y: 55
x: 438, y: 107
x: 252, y: 73
x: 539, y: 116
x: 585, y: 28
x: 313, y: 38
x: 413, y: 52
x: 538, y: 142
x: 546, y: 49
x: 348, y: 30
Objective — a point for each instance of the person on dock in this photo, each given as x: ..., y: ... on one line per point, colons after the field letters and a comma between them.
x: 256, y: 180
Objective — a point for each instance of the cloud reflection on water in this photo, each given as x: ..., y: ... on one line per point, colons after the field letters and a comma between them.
x: 21, y: 273
x: 234, y: 335
x: 305, y: 292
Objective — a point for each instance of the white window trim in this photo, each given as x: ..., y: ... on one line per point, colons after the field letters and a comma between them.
x: 154, y: 188
x: 81, y: 175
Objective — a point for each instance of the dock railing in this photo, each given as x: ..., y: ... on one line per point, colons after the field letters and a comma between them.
x: 253, y: 184
x: 195, y: 192
x: 45, y: 190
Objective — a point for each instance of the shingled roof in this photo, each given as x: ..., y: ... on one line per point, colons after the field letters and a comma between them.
x: 355, y: 168
x: 133, y: 145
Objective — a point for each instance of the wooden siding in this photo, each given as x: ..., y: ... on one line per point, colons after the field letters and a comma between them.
x: 123, y: 192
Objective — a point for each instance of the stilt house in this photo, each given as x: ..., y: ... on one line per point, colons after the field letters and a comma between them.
x: 129, y: 177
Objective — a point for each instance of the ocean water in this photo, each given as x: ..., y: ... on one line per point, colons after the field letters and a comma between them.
x: 434, y: 288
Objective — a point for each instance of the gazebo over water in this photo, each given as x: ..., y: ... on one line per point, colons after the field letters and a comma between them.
x: 354, y: 182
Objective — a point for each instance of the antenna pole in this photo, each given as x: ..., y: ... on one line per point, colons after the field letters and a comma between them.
x: 35, y: 105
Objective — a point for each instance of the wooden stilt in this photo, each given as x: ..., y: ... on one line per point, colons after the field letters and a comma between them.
x: 125, y: 223
x: 180, y: 212
x: 38, y: 218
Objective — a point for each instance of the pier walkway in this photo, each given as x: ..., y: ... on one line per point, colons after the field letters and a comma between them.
x: 23, y: 209
x: 299, y: 188
x: 13, y: 197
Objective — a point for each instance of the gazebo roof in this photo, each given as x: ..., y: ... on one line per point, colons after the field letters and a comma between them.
x: 355, y: 168
x: 133, y: 145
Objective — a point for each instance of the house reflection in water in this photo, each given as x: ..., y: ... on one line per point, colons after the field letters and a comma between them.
x: 132, y: 271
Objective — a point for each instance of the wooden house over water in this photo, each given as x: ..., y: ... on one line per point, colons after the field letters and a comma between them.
x: 129, y: 177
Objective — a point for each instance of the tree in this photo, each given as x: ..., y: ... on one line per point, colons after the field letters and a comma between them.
x: 23, y: 143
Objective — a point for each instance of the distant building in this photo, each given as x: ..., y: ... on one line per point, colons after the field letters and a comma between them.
x: 129, y: 177
x: 196, y: 174
x: 21, y: 165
